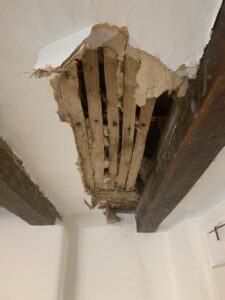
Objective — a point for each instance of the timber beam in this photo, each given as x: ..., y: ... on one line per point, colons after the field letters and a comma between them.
x: 194, y: 135
x: 19, y: 194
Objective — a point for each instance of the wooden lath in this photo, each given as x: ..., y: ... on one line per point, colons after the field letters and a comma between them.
x: 107, y: 90
x: 96, y: 91
x: 91, y: 77
x: 119, y: 201
x: 139, y: 145
x: 129, y: 113
x: 96, y: 114
x: 66, y: 92
x: 111, y: 64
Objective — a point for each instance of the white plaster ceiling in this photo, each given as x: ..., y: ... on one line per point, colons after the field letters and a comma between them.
x: 176, y: 31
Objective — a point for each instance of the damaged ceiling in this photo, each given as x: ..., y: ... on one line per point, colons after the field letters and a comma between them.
x: 106, y: 90
x: 28, y: 119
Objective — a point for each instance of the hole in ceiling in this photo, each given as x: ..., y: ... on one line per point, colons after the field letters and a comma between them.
x: 120, y: 97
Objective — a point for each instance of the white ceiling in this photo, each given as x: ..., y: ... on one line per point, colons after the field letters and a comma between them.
x: 176, y: 31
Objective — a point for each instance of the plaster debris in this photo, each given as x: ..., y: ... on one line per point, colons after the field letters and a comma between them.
x: 154, y: 78
x: 111, y: 216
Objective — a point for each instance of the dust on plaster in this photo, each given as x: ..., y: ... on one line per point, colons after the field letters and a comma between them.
x: 152, y: 79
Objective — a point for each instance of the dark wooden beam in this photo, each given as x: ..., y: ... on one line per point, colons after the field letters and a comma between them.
x: 194, y: 135
x: 19, y: 194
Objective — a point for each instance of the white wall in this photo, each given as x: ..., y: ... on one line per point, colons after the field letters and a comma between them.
x: 30, y: 259
x: 215, y: 249
x: 111, y: 261
x: 115, y: 262
x: 190, y: 262
x: 198, y: 259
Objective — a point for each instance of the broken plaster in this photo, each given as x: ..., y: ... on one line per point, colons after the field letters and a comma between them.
x: 152, y: 79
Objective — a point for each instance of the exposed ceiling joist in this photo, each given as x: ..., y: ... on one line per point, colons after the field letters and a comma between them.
x: 19, y: 194
x: 193, y: 137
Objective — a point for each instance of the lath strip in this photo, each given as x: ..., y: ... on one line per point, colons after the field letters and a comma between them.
x: 116, y: 198
x: 139, y: 147
x: 111, y: 66
x: 91, y: 77
x: 66, y: 92
x: 129, y: 110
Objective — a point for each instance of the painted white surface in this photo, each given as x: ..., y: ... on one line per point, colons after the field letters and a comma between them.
x: 215, y: 249
x: 176, y: 31
x: 30, y: 259
x: 28, y: 118
x: 114, y: 262
x: 57, y: 52
x: 190, y: 17
x: 198, y: 260
x: 219, y: 275
x: 190, y: 263
x: 109, y: 261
